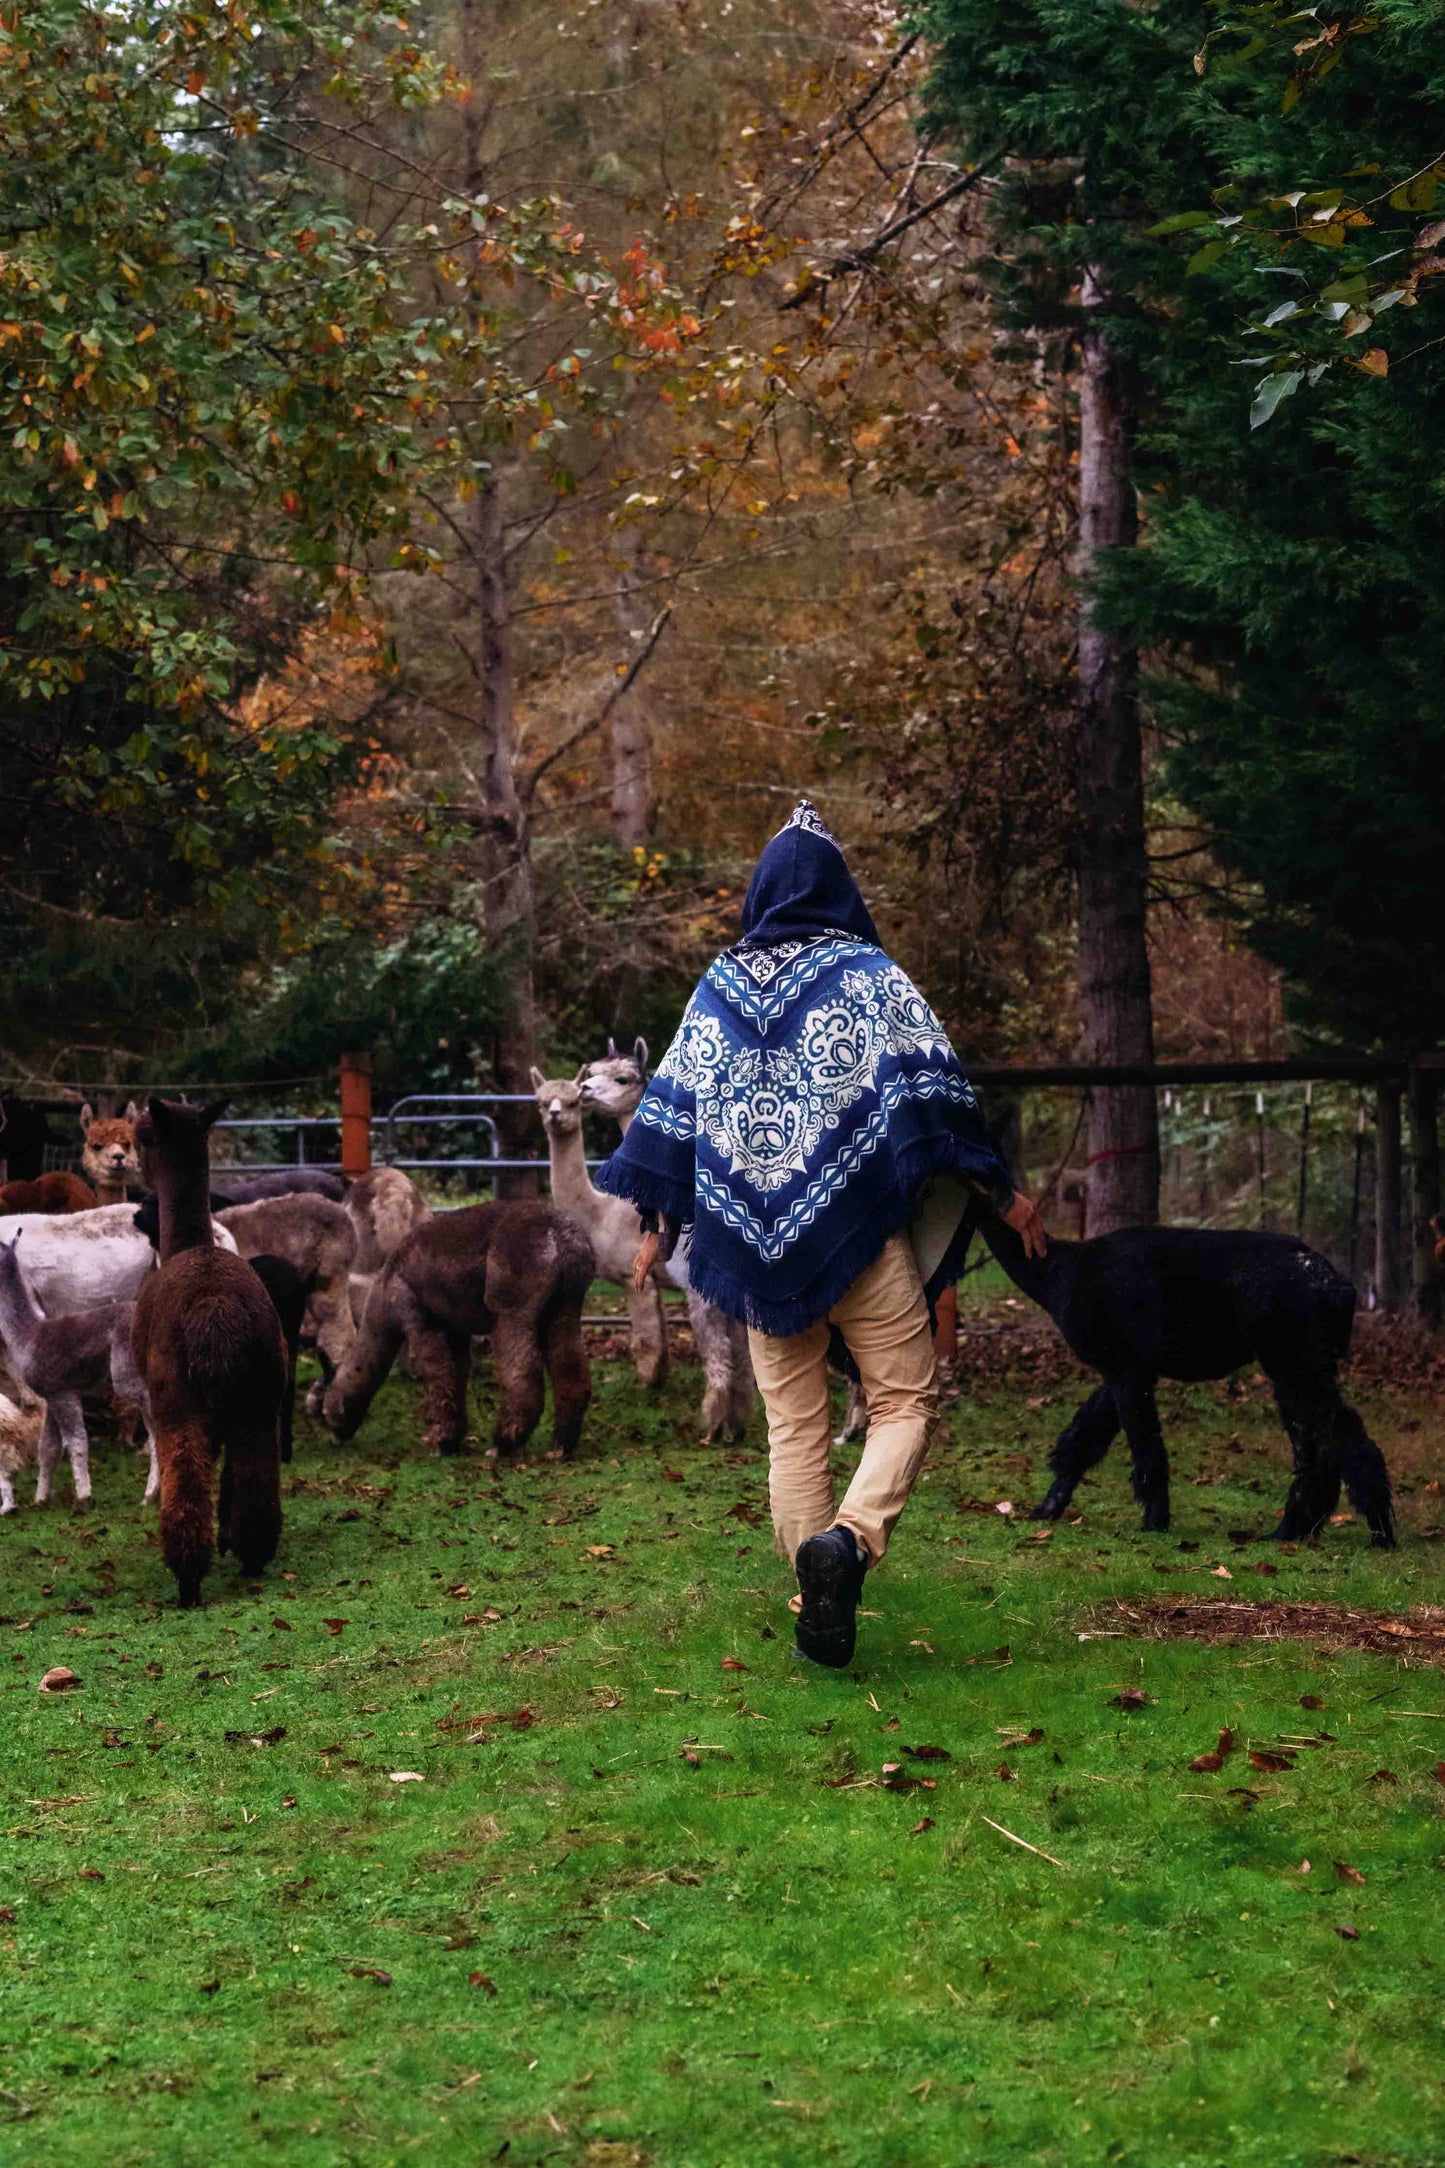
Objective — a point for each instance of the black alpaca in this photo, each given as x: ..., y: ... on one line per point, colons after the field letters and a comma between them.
x: 1190, y: 1303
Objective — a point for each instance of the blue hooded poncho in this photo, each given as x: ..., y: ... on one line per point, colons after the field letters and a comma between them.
x: 807, y: 1103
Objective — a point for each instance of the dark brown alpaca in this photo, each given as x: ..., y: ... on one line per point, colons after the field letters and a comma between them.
x: 208, y: 1344
x: 517, y: 1271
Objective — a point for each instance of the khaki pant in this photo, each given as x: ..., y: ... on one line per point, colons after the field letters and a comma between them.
x: 884, y: 1319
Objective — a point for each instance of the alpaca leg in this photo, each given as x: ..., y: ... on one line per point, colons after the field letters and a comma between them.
x: 187, y: 1465
x: 47, y: 1457
x: 564, y: 1352
x: 1367, y: 1479
x: 709, y: 1331
x: 1139, y: 1414
x: 521, y: 1381
x: 71, y: 1417
x: 7, y: 1493
x: 251, y: 1488
x: 444, y: 1409
x: 153, y: 1478
x: 743, y: 1386
x: 855, y: 1421
x: 649, y: 1337
x: 1309, y: 1409
x: 330, y: 1312
x: 1079, y: 1447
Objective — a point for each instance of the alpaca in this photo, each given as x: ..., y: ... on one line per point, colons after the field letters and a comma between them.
x: 1193, y: 1302
x: 78, y: 1259
x: 616, y: 1086
x: 19, y: 1446
x: 384, y: 1206
x: 108, y: 1153
x: 208, y: 1344
x: 317, y: 1238
x: 51, y: 1194
x: 235, y: 1187
x: 25, y: 1131
x: 515, y: 1270
x: 58, y: 1359
x: 290, y: 1291
x: 612, y: 1223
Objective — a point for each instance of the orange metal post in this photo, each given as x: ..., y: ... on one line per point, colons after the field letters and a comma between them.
x: 355, y: 1114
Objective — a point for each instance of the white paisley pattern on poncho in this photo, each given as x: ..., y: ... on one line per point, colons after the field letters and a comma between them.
x: 808, y: 1092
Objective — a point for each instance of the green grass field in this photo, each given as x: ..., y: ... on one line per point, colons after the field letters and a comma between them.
x: 647, y: 1894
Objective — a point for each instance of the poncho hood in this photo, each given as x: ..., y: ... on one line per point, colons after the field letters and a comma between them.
x: 801, y: 887
x: 807, y: 1103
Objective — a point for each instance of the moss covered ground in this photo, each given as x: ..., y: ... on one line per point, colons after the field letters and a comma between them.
x: 500, y: 1824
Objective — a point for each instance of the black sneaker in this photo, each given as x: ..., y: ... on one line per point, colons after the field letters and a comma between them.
x: 830, y: 1577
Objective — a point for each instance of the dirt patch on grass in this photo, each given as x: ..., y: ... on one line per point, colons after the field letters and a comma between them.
x: 1414, y: 1637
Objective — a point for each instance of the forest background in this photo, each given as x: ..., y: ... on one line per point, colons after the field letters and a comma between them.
x: 465, y: 473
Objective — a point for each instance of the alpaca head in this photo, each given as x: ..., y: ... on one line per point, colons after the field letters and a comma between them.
x: 108, y: 1154
x: 615, y: 1086
x: 173, y: 1136
x: 559, y: 1102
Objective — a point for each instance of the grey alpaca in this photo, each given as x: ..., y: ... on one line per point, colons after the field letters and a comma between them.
x: 62, y: 1357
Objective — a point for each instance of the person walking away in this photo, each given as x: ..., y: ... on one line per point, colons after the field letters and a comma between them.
x: 811, y: 1128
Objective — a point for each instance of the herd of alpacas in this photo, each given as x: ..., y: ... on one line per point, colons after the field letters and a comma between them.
x: 186, y: 1293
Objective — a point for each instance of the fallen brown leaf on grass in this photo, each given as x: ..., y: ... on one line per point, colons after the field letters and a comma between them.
x: 334, y: 1625
x: 1347, y: 1873
x: 1382, y: 1776
x: 1208, y: 1764
x: 1439, y: 1772
x: 59, y: 1679
x: 1348, y: 1934
x: 598, y: 1550
x: 1005, y: 1775
x: 733, y: 1663
x: 1310, y: 1701
x: 1023, y: 1738
x: 91, y: 1874
x: 208, y: 1987
x: 282, y: 1625
x: 480, y: 1979
x: 1271, y: 1764
x: 1130, y: 1697
x: 919, y: 1827
x: 371, y: 1972
x: 928, y: 1753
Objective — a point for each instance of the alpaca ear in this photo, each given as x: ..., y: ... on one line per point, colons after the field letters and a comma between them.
x: 639, y: 1054
x: 86, y: 1118
x: 212, y: 1114
x: 159, y: 1112
x: 538, y: 1080
x: 132, y: 1112
x: 581, y: 1076
x: 611, y: 1049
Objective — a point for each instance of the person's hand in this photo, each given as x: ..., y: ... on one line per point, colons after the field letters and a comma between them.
x: 1023, y: 1216
x: 643, y: 1263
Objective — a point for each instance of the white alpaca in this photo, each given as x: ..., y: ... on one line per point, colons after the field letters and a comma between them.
x: 616, y: 1086
x: 19, y: 1446
x: 76, y: 1260
x: 59, y: 1358
x: 611, y: 1222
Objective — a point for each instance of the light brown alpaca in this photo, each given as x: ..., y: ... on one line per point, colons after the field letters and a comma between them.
x: 384, y: 1206
x: 612, y: 1224
x: 108, y: 1153
x: 19, y: 1446
x: 615, y: 1086
x: 317, y: 1238
x: 209, y: 1346
x: 514, y: 1270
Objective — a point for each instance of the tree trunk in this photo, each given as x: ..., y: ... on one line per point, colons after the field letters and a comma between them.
x: 1425, y: 1147
x: 1389, y: 1275
x: 631, y: 719
x: 509, y: 907
x: 1113, y: 958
